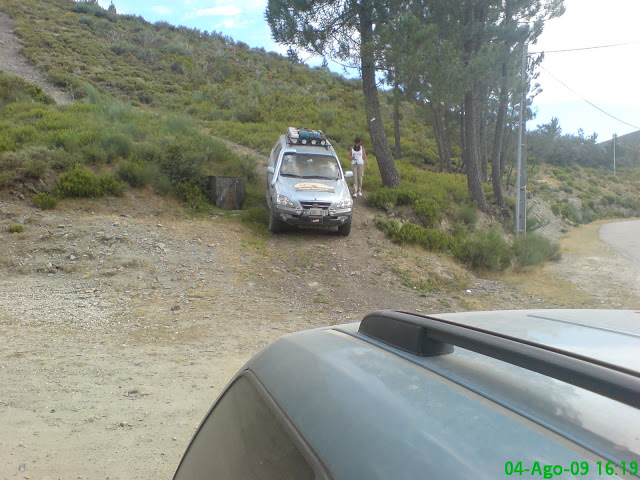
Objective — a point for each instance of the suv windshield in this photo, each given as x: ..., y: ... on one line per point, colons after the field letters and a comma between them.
x: 310, y: 166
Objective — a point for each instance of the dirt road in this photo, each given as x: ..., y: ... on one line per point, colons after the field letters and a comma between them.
x: 122, y: 319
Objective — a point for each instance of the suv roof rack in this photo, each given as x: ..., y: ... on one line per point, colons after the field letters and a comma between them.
x: 427, y: 336
x: 306, y: 136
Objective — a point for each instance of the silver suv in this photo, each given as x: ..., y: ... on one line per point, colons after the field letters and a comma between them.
x: 306, y: 184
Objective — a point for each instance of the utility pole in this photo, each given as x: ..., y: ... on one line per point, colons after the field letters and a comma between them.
x: 521, y: 173
x: 615, y: 137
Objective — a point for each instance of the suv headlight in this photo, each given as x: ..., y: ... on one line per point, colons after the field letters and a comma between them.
x: 345, y: 203
x: 284, y: 201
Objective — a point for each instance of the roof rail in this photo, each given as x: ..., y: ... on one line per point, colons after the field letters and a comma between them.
x: 426, y: 336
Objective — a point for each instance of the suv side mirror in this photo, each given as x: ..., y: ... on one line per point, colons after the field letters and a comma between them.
x: 272, y: 170
x: 348, y: 174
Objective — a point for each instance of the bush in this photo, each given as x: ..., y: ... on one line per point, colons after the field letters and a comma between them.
x: 467, y: 214
x: 15, y: 229
x: 484, y: 249
x: 44, y: 201
x: 136, y: 174
x: 412, y: 234
x: 109, y: 185
x: 189, y: 193
x: 533, y: 249
x: 82, y: 183
x: 35, y: 168
x: 78, y: 182
x: 117, y: 145
x: 429, y: 211
x: 566, y: 210
x: 388, y: 198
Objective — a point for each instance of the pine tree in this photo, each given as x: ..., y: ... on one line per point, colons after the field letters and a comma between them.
x: 349, y: 31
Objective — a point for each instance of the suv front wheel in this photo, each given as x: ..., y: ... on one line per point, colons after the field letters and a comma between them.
x: 275, y: 225
x: 345, y: 229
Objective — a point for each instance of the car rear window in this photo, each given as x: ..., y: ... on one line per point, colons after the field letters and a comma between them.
x: 243, y: 437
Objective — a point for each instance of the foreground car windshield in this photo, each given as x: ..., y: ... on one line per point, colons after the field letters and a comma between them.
x: 310, y: 166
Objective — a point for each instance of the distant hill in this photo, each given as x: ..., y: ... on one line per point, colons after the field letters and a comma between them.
x: 627, y: 149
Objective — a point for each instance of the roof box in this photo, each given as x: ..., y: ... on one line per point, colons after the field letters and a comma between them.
x: 306, y: 136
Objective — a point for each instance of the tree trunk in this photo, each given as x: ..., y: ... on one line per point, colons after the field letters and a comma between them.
x: 397, y: 147
x: 386, y: 164
x: 441, y: 131
x: 497, y: 157
x: 482, y: 132
x: 463, y: 146
x: 474, y: 180
x: 497, y: 168
x: 475, y: 15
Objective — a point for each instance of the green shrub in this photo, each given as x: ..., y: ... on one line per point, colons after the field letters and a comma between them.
x: 109, y: 185
x: 78, y: 182
x: 15, y: 229
x: 82, y: 183
x: 484, y: 249
x: 6, y: 179
x: 44, y: 201
x: 245, y: 167
x: 533, y: 249
x: 35, y: 168
x: 466, y: 214
x: 121, y: 47
x: 117, y: 145
x: 86, y: 21
x: 189, y: 193
x: 136, y: 174
x: 566, y: 210
x: 388, y: 198
x: 412, y: 234
x: 510, y: 203
x: 429, y: 211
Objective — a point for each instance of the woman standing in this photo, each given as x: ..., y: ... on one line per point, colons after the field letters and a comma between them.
x: 358, y: 159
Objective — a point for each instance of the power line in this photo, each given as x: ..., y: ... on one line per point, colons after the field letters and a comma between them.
x: 589, y: 102
x: 585, y: 48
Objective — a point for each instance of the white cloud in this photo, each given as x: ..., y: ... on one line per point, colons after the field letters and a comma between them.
x: 160, y: 10
x: 222, y: 10
x: 235, y: 23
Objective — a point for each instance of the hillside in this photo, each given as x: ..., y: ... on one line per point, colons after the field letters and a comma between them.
x: 244, y: 94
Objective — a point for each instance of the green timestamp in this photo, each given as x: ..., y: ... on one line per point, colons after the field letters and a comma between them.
x: 612, y: 468
x: 574, y: 468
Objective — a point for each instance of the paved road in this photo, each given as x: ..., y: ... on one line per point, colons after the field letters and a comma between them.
x: 624, y: 236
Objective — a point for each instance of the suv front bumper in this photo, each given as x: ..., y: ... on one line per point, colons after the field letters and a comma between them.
x: 304, y: 219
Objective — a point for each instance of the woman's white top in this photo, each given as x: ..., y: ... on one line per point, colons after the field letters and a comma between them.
x: 357, y: 156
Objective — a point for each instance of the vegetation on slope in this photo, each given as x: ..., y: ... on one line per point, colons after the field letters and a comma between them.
x: 152, y: 99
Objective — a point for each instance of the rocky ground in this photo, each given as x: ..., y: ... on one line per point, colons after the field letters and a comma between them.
x: 122, y: 319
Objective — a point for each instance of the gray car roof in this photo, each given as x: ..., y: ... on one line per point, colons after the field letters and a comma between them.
x: 373, y: 411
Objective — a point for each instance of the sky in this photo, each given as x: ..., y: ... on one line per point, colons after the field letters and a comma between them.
x: 584, y: 89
